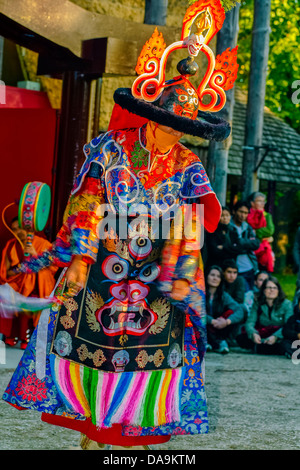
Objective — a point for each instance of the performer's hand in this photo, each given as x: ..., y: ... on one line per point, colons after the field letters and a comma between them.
x: 180, y: 290
x: 76, y: 276
x: 30, y: 250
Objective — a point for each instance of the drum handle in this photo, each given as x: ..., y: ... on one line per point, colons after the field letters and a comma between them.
x: 30, y: 236
x: 8, y: 228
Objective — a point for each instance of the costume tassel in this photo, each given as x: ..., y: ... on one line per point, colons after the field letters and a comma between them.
x: 143, y: 398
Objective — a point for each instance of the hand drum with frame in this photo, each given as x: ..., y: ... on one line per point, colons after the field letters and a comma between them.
x: 34, y: 208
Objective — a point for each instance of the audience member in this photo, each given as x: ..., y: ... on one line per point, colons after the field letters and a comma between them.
x: 291, y: 331
x: 20, y: 327
x: 262, y: 222
x: 233, y: 283
x: 269, y: 313
x: 296, y: 256
x: 244, y: 243
x: 219, y: 243
x: 251, y: 295
x: 235, y: 286
x: 223, y: 312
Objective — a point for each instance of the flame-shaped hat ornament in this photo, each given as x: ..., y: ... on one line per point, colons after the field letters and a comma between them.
x: 177, y: 103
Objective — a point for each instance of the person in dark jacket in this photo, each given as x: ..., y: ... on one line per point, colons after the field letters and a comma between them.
x: 223, y: 312
x: 219, y: 243
x: 234, y: 284
x: 244, y: 243
x: 291, y: 332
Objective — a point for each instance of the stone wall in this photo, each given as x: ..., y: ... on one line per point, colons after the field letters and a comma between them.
x: 133, y: 10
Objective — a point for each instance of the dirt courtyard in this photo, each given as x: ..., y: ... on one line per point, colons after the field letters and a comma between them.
x: 253, y: 404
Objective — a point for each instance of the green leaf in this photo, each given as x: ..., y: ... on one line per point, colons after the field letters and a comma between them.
x: 227, y: 4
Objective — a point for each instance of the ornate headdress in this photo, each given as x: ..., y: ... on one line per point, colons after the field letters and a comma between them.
x: 177, y: 103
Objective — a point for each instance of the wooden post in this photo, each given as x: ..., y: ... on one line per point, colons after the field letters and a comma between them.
x: 72, y: 137
x: 218, y: 151
x: 256, y: 95
x: 156, y: 12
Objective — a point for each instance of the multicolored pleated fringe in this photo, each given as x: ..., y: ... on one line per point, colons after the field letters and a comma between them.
x: 143, y: 398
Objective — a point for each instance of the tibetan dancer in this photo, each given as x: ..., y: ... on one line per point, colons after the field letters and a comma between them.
x: 121, y: 359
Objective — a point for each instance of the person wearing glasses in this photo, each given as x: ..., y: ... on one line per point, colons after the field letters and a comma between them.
x: 270, y: 312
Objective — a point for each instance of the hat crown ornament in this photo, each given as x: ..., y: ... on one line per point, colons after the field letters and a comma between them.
x: 207, y: 18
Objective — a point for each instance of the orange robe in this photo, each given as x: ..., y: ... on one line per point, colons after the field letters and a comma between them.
x: 39, y: 284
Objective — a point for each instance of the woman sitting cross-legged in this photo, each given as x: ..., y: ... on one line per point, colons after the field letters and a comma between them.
x: 224, y: 314
x: 269, y: 313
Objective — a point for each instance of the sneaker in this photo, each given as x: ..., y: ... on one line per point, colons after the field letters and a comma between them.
x: 223, y: 347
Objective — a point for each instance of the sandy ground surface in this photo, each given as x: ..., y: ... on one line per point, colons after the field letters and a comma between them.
x: 253, y: 404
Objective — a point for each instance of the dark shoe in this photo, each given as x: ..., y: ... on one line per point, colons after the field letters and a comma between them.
x: 232, y: 343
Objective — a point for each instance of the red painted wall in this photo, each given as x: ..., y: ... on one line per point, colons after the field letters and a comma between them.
x: 27, y: 147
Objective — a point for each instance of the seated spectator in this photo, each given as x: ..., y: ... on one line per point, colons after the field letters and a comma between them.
x: 259, y: 278
x: 223, y: 313
x: 233, y: 283
x: 269, y: 313
x: 218, y: 244
x: 291, y: 331
x: 296, y: 256
x: 244, y: 243
x: 262, y: 222
x: 20, y: 327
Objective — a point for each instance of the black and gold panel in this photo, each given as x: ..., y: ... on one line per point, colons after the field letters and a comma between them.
x: 120, y: 321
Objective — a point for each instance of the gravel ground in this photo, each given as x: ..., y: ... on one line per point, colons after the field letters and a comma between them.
x: 253, y: 403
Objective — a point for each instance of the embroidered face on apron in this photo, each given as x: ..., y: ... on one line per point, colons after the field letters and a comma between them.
x: 120, y: 321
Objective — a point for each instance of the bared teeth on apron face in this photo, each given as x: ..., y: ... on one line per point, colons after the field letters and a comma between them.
x: 113, y: 309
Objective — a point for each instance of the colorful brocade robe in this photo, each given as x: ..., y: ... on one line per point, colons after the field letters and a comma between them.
x: 121, y: 351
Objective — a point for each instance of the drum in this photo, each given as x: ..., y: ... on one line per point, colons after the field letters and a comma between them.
x: 34, y: 208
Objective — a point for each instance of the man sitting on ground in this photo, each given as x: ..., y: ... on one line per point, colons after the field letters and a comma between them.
x: 233, y: 283
x: 235, y: 286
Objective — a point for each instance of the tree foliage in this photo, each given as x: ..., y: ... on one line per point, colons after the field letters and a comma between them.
x: 283, y: 78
